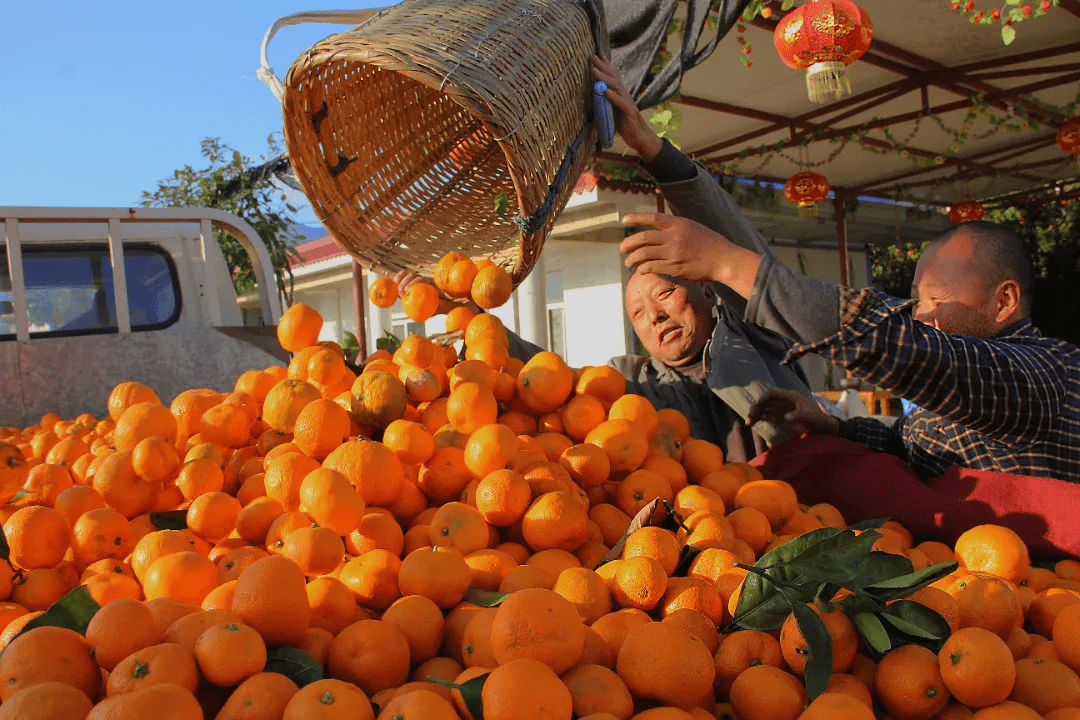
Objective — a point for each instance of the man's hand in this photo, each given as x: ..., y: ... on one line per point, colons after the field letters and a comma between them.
x: 794, y: 412
x: 629, y: 122
x: 688, y: 250
x: 405, y: 278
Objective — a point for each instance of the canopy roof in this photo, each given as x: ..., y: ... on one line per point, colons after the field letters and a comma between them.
x: 928, y: 71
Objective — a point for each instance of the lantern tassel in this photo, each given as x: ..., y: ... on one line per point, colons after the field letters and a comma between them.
x: 808, y: 211
x: 827, y: 78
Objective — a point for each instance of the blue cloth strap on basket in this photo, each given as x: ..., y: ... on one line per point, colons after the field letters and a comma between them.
x: 603, y: 117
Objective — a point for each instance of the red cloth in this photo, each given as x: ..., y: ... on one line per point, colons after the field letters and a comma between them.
x: 863, y: 484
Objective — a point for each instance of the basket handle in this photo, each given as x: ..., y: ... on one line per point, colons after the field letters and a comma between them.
x: 337, y: 17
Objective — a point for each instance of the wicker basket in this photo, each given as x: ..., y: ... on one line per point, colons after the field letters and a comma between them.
x: 439, y: 125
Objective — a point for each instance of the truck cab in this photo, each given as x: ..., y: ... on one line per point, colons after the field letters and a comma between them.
x: 91, y: 297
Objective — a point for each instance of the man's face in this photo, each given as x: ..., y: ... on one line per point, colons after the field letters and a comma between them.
x: 953, y: 291
x: 671, y: 326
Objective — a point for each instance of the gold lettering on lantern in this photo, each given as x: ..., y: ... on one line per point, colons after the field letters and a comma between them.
x: 836, y: 22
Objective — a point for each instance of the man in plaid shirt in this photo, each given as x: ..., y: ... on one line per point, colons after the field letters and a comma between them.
x: 991, y: 392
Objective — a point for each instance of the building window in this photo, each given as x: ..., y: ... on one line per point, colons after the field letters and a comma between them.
x: 556, y: 313
x: 403, y: 327
x: 69, y: 289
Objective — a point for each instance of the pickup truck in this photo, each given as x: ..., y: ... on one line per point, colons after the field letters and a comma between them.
x: 91, y: 297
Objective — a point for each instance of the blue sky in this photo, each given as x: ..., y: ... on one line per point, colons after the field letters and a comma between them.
x: 100, y: 100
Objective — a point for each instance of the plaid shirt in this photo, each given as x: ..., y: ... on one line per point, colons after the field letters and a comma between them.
x: 1008, y: 404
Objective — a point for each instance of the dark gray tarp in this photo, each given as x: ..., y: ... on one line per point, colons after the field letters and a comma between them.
x: 637, y: 29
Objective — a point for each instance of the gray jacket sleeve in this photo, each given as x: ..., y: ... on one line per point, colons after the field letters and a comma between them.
x: 695, y: 194
x: 800, y: 308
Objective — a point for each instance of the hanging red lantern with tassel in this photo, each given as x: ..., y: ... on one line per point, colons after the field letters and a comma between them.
x: 1068, y: 138
x: 823, y: 37
x: 967, y: 211
x: 806, y: 189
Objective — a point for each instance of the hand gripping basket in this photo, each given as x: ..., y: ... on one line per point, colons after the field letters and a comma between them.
x: 439, y: 125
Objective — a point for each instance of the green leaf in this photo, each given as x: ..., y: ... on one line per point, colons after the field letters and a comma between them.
x: 762, y: 605
x: 881, y: 566
x: 836, y: 559
x: 484, y: 598
x: 502, y: 204
x: 471, y: 692
x: 5, y: 551
x: 294, y: 664
x: 907, y: 584
x: 73, y: 611
x: 870, y: 524
x: 1008, y: 34
x: 819, y: 663
x: 169, y: 520
x: 872, y: 632
x: 787, y: 5
x: 917, y: 620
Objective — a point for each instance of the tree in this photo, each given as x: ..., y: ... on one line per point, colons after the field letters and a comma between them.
x: 234, y: 183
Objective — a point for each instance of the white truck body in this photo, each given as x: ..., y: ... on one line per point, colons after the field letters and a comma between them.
x: 91, y: 297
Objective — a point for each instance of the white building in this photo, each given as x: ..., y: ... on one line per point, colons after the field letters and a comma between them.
x: 584, y: 278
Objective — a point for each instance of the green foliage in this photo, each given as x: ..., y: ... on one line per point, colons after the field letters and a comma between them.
x: 231, y: 182
x: 73, y: 611
x: 892, y: 267
x: 812, y: 568
x: 388, y: 342
x: 294, y: 664
x: 351, y: 346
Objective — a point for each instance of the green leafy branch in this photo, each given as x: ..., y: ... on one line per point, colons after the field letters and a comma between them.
x: 814, y: 568
x: 1012, y: 12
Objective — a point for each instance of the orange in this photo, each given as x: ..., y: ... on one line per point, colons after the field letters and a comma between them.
x: 637, y: 410
x: 256, y: 383
x: 321, y: 427
x: 909, y: 684
x: 767, y: 692
x: 837, y: 706
x: 47, y: 654
x: 994, y: 549
x: 476, y: 640
x: 596, y: 689
x: 372, y: 578
x: 143, y: 420
x: 315, y: 550
x: 456, y: 525
x: 458, y: 318
x: 489, y: 568
x: 986, y: 601
x: 1046, y: 606
x: 656, y: 543
x: 284, y: 476
x: 285, y: 401
x: 440, y: 574
x: 254, y: 521
x: 626, y: 445
x: 494, y: 354
x: 371, y: 654
x: 490, y: 448
x: 161, y: 700
x: 526, y: 576
x: 332, y: 605
x: 666, y: 663
x: 977, y: 667
x: 46, y: 701
x: 845, y: 640
x: 524, y: 689
x: 262, y: 696
x: 470, y: 407
x: 184, y: 576
x: 538, y: 624
x: 580, y: 415
x: 383, y: 292
x: 1066, y: 636
x: 741, y: 650
x: 421, y: 623
x: 420, y: 301
x: 640, y: 582
x: 774, y: 498
x: 491, y: 287
x: 331, y: 500
x: 127, y: 394
x: 299, y: 327
x: 372, y: 468
x: 587, y: 464
x: 1044, y: 685
x: 99, y: 534
x: 155, y: 460
x: 545, y: 382
x: 502, y: 497
x: 271, y: 597
x: 329, y: 700
x: 45, y: 482
x: 213, y: 516
x: 701, y: 457
x: 421, y: 704
x: 38, y: 537
x: 639, y: 488
x: 586, y: 591
x: 603, y: 382
x: 379, y: 398
x: 693, y: 593
x: 229, y: 653
x: 120, y: 628
x: 376, y: 530
x: 412, y: 443
x: 555, y: 520
x: 227, y: 424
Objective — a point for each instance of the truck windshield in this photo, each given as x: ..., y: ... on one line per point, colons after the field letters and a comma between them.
x: 69, y: 289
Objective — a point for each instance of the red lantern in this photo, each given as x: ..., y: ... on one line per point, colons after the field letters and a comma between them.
x: 967, y: 211
x: 585, y: 183
x: 1068, y: 138
x: 823, y: 37
x: 807, y: 189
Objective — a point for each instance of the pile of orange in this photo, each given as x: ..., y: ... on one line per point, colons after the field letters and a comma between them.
x: 377, y: 559
x: 484, y: 282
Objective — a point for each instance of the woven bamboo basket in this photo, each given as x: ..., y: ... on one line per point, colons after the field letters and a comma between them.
x: 439, y: 125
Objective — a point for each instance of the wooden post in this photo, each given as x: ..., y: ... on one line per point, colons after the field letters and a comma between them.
x: 359, y: 311
x: 841, y: 237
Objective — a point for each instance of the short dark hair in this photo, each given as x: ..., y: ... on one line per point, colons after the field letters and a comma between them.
x: 1004, y: 255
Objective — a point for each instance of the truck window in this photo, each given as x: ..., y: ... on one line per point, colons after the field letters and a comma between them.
x: 69, y: 289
